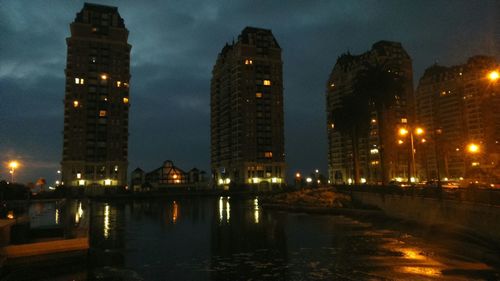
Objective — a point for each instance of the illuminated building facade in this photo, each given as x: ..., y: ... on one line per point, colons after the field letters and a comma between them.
x: 341, y: 82
x: 460, y: 106
x: 96, y: 102
x: 247, y: 134
x: 167, y: 175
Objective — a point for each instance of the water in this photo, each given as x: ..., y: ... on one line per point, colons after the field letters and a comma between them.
x: 235, y: 239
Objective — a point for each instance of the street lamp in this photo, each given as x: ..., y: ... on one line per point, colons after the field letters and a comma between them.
x: 403, y: 132
x: 473, y: 148
x: 493, y: 76
x: 13, y: 166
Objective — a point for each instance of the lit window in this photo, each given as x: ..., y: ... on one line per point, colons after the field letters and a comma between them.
x: 125, y: 84
x: 78, y: 176
x: 248, y: 62
x: 404, y: 120
x: 104, y: 77
x: 118, y: 84
x: 267, y: 82
x: 75, y: 103
x: 373, y: 151
x: 125, y: 100
x: 107, y: 182
x: 258, y: 95
x: 268, y: 154
x: 332, y: 85
x: 102, y: 113
x: 79, y: 81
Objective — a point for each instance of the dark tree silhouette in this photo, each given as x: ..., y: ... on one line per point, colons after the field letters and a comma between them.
x: 352, y: 119
x: 382, y: 89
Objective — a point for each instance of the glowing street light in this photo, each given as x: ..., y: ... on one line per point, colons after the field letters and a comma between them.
x: 403, y: 132
x: 13, y: 165
x: 473, y: 148
x: 493, y: 76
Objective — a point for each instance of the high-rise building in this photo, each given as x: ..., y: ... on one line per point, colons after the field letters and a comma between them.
x: 96, y: 102
x: 459, y: 106
x: 375, y: 149
x: 247, y: 135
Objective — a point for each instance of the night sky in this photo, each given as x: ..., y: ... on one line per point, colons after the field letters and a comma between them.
x: 174, y: 47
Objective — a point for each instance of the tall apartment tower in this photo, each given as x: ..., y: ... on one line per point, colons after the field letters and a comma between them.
x: 96, y: 103
x: 459, y: 105
x: 247, y: 134
x: 341, y: 82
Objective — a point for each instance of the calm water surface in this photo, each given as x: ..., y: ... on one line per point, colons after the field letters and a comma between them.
x: 234, y: 239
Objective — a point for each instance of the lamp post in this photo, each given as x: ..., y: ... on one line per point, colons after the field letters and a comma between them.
x: 13, y: 166
x: 473, y: 149
x: 403, y: 132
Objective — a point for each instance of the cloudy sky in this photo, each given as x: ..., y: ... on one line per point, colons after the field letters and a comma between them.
x: 175, y: 44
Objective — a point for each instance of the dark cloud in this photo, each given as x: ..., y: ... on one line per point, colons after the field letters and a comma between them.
x: 175, y: 44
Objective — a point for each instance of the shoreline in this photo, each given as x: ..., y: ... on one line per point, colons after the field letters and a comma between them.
x: 321, y: 210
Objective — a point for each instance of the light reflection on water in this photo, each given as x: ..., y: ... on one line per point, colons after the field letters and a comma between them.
x: 224, y: 209
x: 56, y: 217
x: 256, y: 209
x: 175, y: 211
x: 225, y: 238
x: 79, y: 213
x: 106, y: 221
